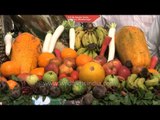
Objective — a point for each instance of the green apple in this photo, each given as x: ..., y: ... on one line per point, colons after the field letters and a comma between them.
x: 32, y: 80
x: 111, y: 81
x: 50, y: 76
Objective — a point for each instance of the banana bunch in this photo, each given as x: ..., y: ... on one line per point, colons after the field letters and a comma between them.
x: 100, y: 33
x: 134, y: 81
x: 154, y: 81
x: 85, y: 50
x: 89, y: 40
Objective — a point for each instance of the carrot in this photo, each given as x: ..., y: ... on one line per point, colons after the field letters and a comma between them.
x: 104, y: 45
x: 154, y: 61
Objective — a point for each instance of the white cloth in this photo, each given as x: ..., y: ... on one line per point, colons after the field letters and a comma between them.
x: 150, y: 25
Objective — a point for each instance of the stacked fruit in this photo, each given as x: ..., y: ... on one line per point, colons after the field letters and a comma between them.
x: 89, y: 39
x: 72, y: 71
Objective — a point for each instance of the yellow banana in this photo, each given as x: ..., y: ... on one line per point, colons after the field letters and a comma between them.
x: 85, y: 39
x: 90, y: 38
x: 81, y: 50
x: 79, y: 28
x: 140, y: 84
x: 94, y: 38
x: 135, y: 83
x: 94, y: 54
x: 130, y: 81
x: 152, y: 82
x: 86, y: 52
x: 90, y: 54
x: 78, y: 39
x: 105, y: 32
x: 100, y: 36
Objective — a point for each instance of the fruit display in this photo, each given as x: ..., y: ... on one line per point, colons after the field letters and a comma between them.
x: 99, y: 67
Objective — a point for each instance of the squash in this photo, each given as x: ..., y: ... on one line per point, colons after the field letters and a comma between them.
x: 131, y: 45
x: 25, y: 51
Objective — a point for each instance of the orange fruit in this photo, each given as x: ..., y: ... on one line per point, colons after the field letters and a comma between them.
x: 92, y: 72
x: 10, y: 68
x: 44, y: 59
x: 83, y: 59
x: 68, y: 53
x: 79, y: 68
x: 38, y: 71
x: 3, y: 79
x: 12, y: 84
x: 153, y: 71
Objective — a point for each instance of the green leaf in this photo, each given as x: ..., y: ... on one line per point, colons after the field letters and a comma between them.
x: 154, y: 102
x: 13, y: 77
x: 149, y: 95
x: 106, y: 98
x: 112, y: 97
x: 127, y: 100
x: 139, y: 102
x: 116, y: 102
x: 133, y: 98
x: 57, y: 101
x: 95, y: 102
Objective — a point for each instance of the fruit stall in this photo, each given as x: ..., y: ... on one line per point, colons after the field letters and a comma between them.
x: 66, y: 60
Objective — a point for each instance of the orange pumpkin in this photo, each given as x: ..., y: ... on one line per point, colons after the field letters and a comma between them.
x: 92, y: 72
x: 25, y: 51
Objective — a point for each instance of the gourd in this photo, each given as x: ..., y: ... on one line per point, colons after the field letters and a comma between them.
x: 25, y: 51
x: 131, y: 45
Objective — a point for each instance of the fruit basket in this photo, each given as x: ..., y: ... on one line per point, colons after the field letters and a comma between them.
x: 53, y: 60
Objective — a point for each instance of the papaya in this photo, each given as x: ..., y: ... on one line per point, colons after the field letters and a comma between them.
x: 25, y: 50
x: 131, y: 45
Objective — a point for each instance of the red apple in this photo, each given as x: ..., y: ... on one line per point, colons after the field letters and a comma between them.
x: 74, y: 75
x: 117, y: 63
x: 62, y: 75
x: 100, y: 59
x: 23, y: 76
x: 55, y: 83
x: 51, y: 67
x: 56, y: 60
x: 70, y: 62
x: 70, y: 79
x: 112, y: 67
x: 124, y: 72
x: 40, y: 77
x: 65, y: 69
x: 120, y: 78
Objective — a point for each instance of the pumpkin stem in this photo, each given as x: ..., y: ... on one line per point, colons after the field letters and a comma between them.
x: 92, y: 68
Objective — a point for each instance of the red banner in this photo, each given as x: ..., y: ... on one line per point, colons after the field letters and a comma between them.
x: 82, y: 18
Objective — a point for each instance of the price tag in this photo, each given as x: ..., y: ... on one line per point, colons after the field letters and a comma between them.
x: 83, y: 18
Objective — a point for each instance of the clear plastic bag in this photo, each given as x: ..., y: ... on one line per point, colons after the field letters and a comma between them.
x: 38, y: 25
